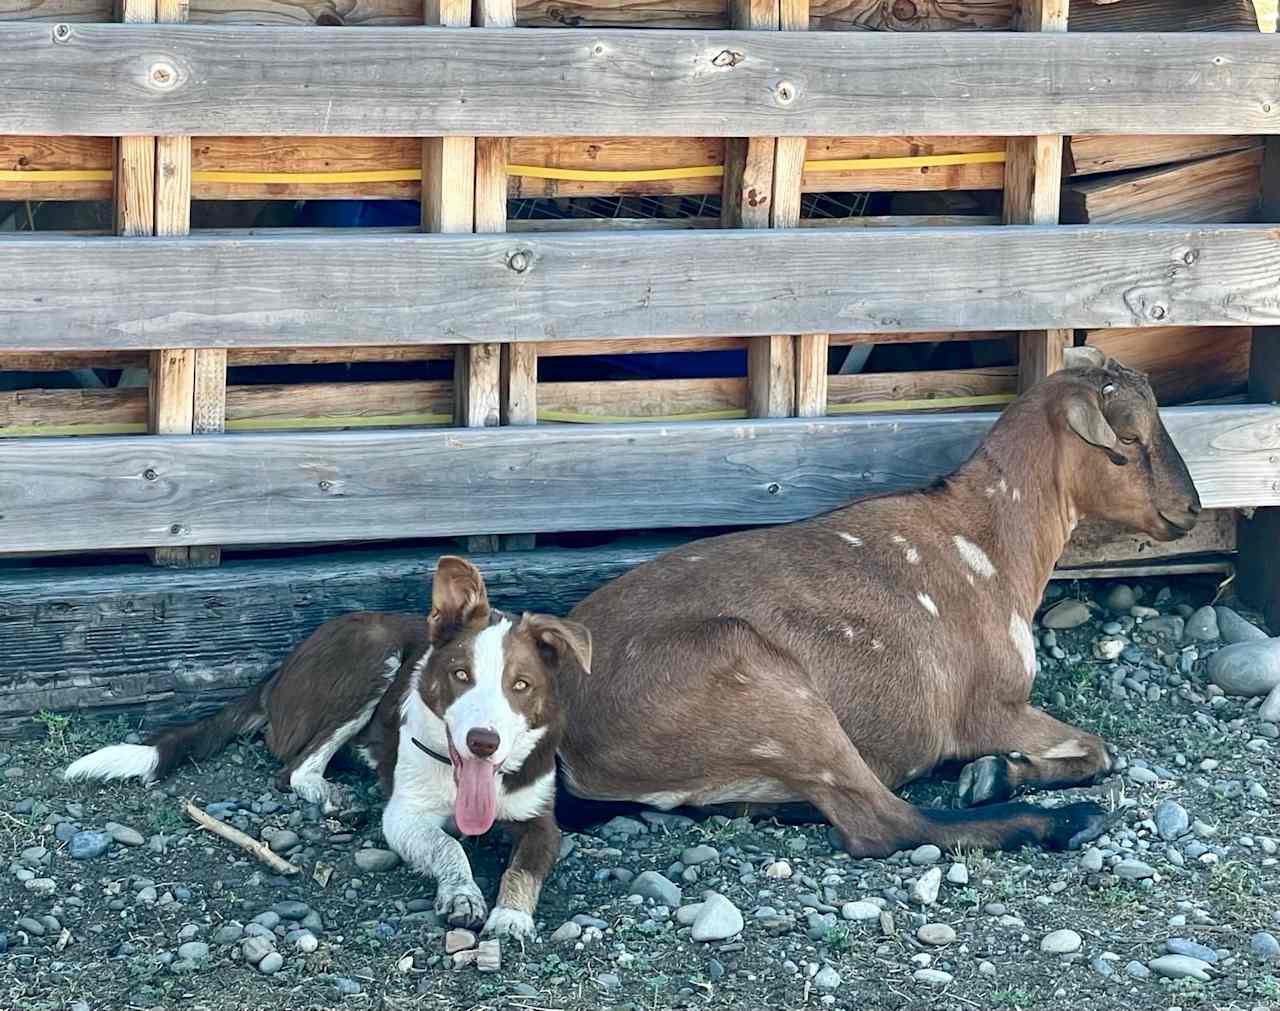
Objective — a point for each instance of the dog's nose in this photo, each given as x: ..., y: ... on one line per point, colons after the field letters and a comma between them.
x: 482, y: 743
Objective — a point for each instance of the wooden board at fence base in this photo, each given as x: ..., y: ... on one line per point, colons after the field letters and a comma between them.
x: 104, y: 493
x: 1093, y: 540
x: 193, y: 79
x: 457, y: 289
x: 167, y: 645
x: 1164, y: 16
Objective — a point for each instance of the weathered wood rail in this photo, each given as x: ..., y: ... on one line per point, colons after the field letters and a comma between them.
x: 342, y: 289
x: 95, y: 80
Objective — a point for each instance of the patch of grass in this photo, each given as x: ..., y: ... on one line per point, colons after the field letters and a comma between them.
x: 55, y: 728
x: 837, y: 939
x: 166, y: 819
x: 1235, y: 887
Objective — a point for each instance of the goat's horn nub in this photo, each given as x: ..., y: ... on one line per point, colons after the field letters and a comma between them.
x: 1084, y: 356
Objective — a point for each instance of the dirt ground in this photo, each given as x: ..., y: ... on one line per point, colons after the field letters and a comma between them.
x: 107, y: 932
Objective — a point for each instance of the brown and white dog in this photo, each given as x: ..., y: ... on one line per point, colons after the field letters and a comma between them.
x: 459, y: 715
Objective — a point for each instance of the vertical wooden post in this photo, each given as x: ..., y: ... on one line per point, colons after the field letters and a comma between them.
x: 449, y: 205
x: 809, y: 371
x: 747, y: 202
x: 187, y: 390
x: 1032, y: 192
x: 517, y: 361
x: 1258, y: 540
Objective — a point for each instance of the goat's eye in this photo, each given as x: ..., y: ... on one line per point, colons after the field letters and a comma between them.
x: 1129, y: 440
x: 520, y: 685
x: 461, y: 675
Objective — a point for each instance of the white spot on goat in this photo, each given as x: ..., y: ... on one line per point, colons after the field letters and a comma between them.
x: 974, y: 557
x: 851, y: 539
x: 989, y: 490
x: 1017, y: 495
x: 927, y: 603
x: 908, y: 550
x: 1020, y: 635
x: 1004, y: 486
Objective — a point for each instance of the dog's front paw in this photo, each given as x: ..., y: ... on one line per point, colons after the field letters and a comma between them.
x: 461, y: 907
x: 513, y: 923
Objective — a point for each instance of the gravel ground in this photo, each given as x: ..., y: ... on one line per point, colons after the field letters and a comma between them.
x: 113, y: 900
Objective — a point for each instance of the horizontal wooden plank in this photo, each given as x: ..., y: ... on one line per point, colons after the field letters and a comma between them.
x: 310, y: 290
x: 1096, y: 543
x: 1089, y: 154
x: 197, y: 79
x: 1221, y: 188
x: 1163, y: 16
x: 102, y: 493
x: 879, y: 170
x: 1183, y: 363
x: 931, y: 16
x: 164, y: 646
x: 951, y: 389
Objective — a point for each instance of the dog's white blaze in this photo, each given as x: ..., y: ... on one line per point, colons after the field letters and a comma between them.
x: 927, y: 603
x: 307, y: 780
x: 851, y: 539
x: 117, y: 761
x: 1023, y: 642
x: 485, y: 706
x: 974, y: 557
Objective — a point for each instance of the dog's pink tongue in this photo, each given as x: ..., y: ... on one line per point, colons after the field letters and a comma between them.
x: 477, y: 804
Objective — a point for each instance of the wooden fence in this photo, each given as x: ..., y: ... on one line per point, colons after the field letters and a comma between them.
x: 753, y: 106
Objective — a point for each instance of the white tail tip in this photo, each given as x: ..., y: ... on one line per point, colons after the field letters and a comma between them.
x: 118, y: 761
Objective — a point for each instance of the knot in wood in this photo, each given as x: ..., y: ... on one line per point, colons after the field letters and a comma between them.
x: 177, y: 529
x: 519, y: 261
x: 150, y: 474
x: 728, y: 58
x: 1190, y: 257
x: 773, y: 488
x: 61, y: 32
x: 162, y: 76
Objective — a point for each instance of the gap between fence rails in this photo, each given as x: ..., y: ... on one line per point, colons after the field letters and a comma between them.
x: 526, y: 171
x: 565, y: 417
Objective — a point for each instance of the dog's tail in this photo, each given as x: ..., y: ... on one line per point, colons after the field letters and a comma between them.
x: 166, y: 751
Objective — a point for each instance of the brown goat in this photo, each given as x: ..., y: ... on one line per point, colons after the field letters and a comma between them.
x: 831, y: 661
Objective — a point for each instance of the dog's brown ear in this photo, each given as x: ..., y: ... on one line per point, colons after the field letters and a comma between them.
x: 558, y: 639
x: 458, y: 599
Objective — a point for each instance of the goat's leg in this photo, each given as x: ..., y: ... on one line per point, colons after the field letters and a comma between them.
x: 819, y: 763
x: 1029, y: 748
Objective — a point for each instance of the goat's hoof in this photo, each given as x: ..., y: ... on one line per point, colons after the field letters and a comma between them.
x: 513, y: 923
x: 464, y: 908
x: 1077, y: 824
x: 985, y: 781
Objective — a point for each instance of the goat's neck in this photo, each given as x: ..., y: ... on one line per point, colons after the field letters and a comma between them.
x: 1021, y: 513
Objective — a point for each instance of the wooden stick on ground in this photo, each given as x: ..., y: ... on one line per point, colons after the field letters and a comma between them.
x: 234, y: 835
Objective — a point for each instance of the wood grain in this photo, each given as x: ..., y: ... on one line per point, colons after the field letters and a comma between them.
x: 233, y: 80
x: 1164, y: 16
x: 319, y: 289
x: 881, y: 387
x: 1089, y: 154
x: 1183, y: 363
x: 1260, y: 533
x: 916, y: 16
x: 166, y: 645
x: 1222, y: 188
x: 104, y: 493
x: 1095, y: 542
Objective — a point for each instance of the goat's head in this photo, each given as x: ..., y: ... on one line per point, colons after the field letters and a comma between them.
x: 1125, y: 467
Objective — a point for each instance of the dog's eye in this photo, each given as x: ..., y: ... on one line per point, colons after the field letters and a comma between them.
x: 520, y: 685
x: 461, y: 675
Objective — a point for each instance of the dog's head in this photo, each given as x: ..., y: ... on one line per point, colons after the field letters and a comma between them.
x: 492, y: 679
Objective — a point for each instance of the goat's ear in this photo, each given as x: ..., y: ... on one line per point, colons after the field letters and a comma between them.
x: 558, y: 639
x: 1085, y: 418
x: 1084, y: 356
x: 458, y: 598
